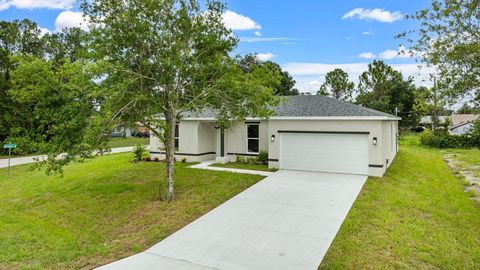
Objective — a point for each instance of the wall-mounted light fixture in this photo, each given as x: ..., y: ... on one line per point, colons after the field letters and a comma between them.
x: 374, y: 140
x: 272, y: 138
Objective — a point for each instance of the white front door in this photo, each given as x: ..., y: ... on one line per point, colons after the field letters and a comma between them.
x: 332, y: 152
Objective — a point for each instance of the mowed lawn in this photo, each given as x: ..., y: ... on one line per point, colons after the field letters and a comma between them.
x: 100, y: 211
x: 129, y: 141
x: 416, y: 217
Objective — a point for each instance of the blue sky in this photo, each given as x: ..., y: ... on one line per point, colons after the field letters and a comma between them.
x: 306, y: 37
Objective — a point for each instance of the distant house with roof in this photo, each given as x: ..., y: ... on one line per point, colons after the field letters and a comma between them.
x: 462, y: 123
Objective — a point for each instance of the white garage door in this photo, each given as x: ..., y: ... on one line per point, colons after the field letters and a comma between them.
x: 338, y: 153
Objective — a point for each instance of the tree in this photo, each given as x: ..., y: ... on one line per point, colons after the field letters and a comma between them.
x: 58, y: 106
x: 337, y: 85
x: 16, y: 37
x: 287, y: 83
x: 449, y: 38
x: 383, y: 88
x: 170, y: 56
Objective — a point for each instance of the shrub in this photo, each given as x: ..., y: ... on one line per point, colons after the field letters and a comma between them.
x: 263, y: 157
x: 240, y: 159
x: 156, y: 159
x: 445, y: 140
x: 184, y: 160
x: 138, y: 152
x: 252, y: 161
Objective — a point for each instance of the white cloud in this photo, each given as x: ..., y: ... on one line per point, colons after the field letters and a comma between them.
x: 366, y: 33
x: 391, y: 54
x: 34, y: 4
x: 367, y: 55
x: 376, y: 14
x: 310, y: 75
x: 69, y: 19
x: 265, y: 56
x: 265, y: 39
x: 237, y: 21
x: 44, y: 31
x: 258, y: 33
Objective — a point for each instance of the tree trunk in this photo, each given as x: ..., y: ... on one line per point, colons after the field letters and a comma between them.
x: 170, y: 153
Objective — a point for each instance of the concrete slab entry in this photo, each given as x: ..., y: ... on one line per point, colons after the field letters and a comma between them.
x: 286, y: 221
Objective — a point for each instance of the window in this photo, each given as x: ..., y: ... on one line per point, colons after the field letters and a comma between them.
x: 252, y: 138
x: 175, y: 139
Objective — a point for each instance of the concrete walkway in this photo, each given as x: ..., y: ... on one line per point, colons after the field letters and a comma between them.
x: 31, y: 159
x: 206, y: 166
x: 285, y: 222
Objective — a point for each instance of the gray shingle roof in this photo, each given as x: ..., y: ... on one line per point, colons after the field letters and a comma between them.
x: 323, y: 106
x: 310, y: 106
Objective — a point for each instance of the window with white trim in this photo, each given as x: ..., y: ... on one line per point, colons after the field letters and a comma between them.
x: 253, y: 138
x: 176, y: 137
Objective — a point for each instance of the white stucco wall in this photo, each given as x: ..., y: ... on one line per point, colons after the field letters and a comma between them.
x: 195, y: 139
x: 375, y: 127
x: 236, y: 137
x: 200, y: 137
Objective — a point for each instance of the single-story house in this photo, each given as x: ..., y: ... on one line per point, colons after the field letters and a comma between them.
x: 427, y: 120
x: 462, y: 123
x: 313, y: 133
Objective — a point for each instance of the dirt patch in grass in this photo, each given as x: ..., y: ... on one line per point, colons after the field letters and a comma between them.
x: 467, y: 173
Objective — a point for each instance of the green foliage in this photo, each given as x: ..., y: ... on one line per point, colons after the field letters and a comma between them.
x: 263, y: 157
x: 337, y: 85
x: 240, y: 159
x: 138, y: 152
x: 166, y: 57
x: 445, y: 140
x: 56, y: 105
x: 449, y: 39
x: 384, y: 89
x: 284, y: 87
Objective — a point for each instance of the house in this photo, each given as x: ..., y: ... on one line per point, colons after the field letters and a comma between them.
x: 313, y: 133
x: 462, y: 123
x: 427, y: 120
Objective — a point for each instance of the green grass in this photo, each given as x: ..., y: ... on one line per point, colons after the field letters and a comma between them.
x: 416, y: 217
x: 113, y: 143
x: 245, y: 166
x: 100, y: 211
x: 130, y: 141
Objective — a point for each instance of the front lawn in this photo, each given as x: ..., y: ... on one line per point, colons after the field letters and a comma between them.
x: 416, y: 217
x: 245, y: 166
x: 129, y: 141
x: 100, y: 211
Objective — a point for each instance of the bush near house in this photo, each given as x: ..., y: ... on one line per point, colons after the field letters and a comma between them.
x: 441, y: 139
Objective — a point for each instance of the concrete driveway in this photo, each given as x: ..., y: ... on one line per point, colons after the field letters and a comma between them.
x: 286, y: 221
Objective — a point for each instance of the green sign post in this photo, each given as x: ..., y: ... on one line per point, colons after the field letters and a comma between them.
x: 9, y: 146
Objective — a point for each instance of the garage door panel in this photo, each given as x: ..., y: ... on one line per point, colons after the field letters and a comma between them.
x: 341, y: 153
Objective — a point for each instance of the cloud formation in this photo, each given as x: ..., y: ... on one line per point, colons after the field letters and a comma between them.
x: 376, y: 14
x: 367, y: 55
x: 237, y: 21
x: 265, y: 56
x: 35, y: 4
x: 69, y: 19
x: 310, y: 75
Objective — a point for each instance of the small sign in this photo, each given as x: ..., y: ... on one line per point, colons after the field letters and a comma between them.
x: 9, y: 146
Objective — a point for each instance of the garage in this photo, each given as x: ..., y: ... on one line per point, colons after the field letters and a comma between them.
x: 335, y: 152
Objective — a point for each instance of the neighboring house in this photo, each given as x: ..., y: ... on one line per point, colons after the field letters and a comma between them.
x: 460, y: 129
x: 427, y: 120
x: 138, y: 130
x: 462, y: 123
x: 122, y: 131
x: 312, y: 133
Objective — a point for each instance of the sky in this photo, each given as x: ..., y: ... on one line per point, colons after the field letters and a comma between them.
x: 307, y: 38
